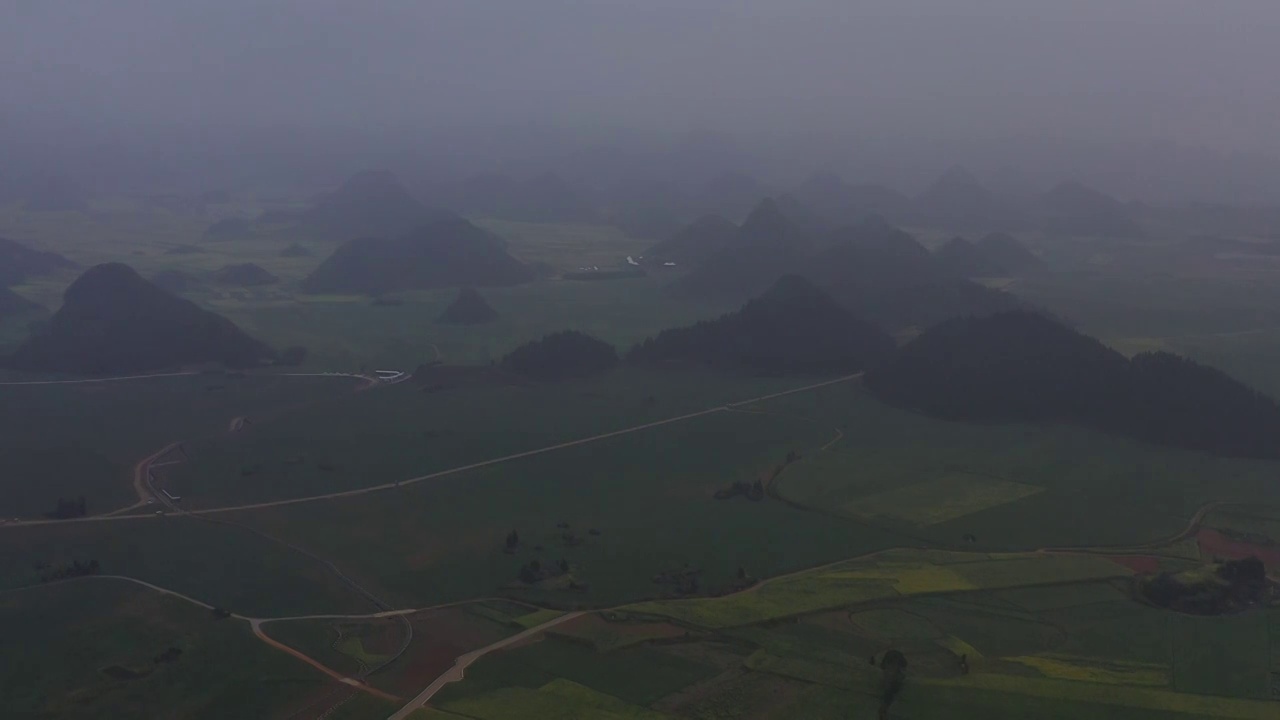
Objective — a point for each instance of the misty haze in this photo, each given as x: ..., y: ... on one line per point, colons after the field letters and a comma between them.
x: 665, y: 360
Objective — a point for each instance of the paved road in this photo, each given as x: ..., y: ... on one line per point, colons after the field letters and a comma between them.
x: 97, y: 380
x: 527, y: 453
x: 462, y: 469
x: 459, y: 669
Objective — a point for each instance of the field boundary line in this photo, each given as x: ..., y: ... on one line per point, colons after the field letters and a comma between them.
x: 453, y: 471
x: 524, y: 454
x: 460, y: 665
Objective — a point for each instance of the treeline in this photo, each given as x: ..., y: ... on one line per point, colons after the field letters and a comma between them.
x: 65, y: 571
x: 1024, y: 367
x: 67, y: 508
x: 1234, y: 585
x: 793, y: 328
x: 561, y: 356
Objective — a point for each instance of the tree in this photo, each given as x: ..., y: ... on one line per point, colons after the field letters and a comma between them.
x: 893, y: 669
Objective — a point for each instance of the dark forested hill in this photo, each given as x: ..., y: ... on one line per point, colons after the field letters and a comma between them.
x: 957, y: 201
x: 446, y: 251
x: 1011, y: 255
x: 1072, y: 208
x: 793, y: 328
x: 842, y: 202
x: 469, y: 308
x: 561, y: 356
x: 19, y: 262
x: 881, y: 273
x: 768, y: 245
x: 11, y: 304
x: 696, y: 243
x: 1020, y: 367
x: 369, y: 204
x: 965, y: 259
x: 114, y: 322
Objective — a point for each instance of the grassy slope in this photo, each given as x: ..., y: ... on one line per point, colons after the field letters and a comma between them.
x: 223, y: 670
x: 400, y: 432
x: 223, y: 566
x: 649, y: 493
x: 72, y: 440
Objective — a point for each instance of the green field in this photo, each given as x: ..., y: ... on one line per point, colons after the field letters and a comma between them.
x: 649, y: 494
x: 892, y: 531
x: 224, y: 566
x: 84, y: 628
x: 400, y: 432
x: 83, y: 440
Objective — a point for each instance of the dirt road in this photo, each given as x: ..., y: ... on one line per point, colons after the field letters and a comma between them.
x: 459, y: 669
x: 256, y: 624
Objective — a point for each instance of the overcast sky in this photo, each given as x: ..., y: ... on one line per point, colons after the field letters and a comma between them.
x: 1191, y: 71
x: 891, y: 90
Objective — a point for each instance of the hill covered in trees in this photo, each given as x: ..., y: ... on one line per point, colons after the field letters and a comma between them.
x: 957, y: 201
x: 114, y: 322
x: 13, y: 304
x: 883, y: 274
x: 469, y: 308
x: 1011, y: 255
x: 446, y: 251
x: 965, y: 259
x: 561, y: 356
x: 1072, y: 208
x: 372, y: 203
x: 872, y: 268
x: 244, y: 275
x: 1024, y: 367
x: 19, y: 262
x: 694, y: 244
x: 793, y: 328
x: 768, y: 245
x: 841, y: 202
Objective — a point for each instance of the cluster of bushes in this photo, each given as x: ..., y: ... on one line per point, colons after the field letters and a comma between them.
x: 67, y: 508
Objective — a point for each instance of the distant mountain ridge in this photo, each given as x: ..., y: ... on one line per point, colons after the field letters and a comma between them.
x: 872, y: 268
x: 12, y: 304
x: 468, y: 308
x: 372, y: 203
x: 793, y: 328
x: 1025, y: 367
x: 114, y: 322
x: 19, y: 262
x: 561, y: 356
x: 445, y: 251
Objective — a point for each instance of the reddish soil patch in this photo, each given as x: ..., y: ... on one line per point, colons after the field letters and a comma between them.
x: 593, y: 630
x: 1141, y: 564
x: 1215, y: 544
x: 439, y: 637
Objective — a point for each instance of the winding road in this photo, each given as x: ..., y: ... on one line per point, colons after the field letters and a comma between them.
x: 445, y: 473
x: 459, y: 669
